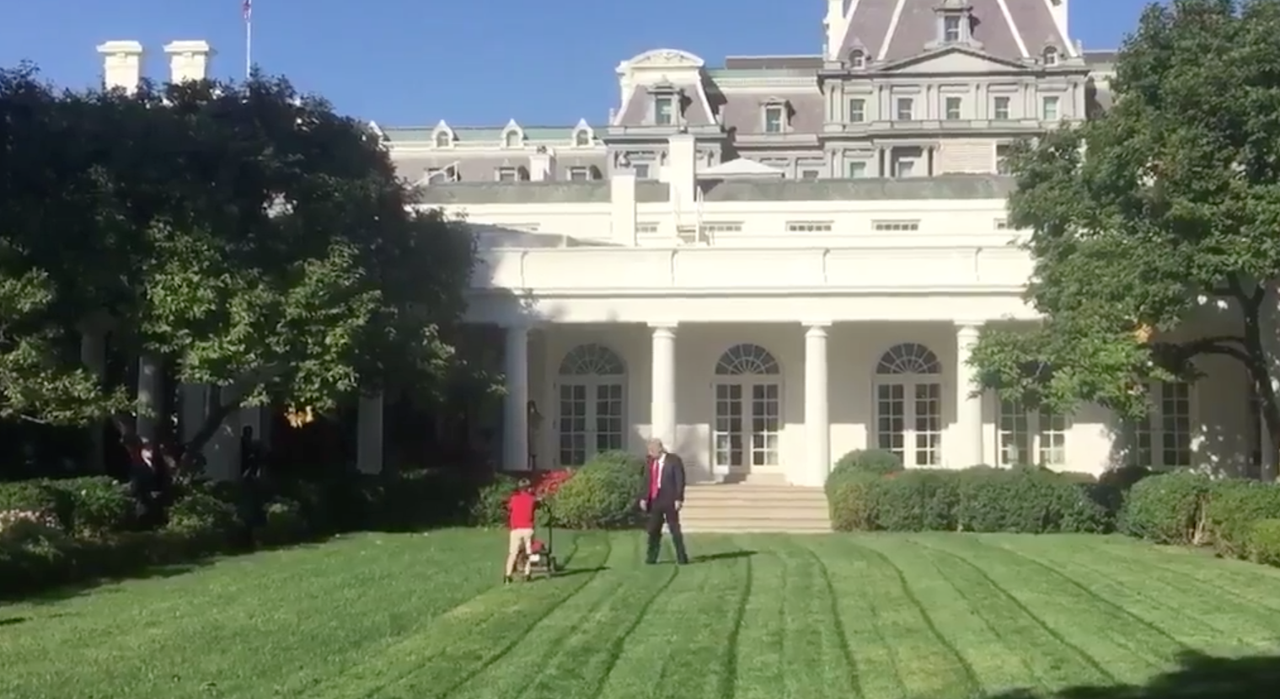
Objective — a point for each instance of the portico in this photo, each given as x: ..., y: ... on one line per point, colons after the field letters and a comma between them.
x: 740, y: 399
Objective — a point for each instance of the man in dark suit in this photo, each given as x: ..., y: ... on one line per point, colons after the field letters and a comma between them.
x: 661, y: 497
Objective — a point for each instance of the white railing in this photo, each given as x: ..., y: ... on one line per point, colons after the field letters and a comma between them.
x: 637, y: 270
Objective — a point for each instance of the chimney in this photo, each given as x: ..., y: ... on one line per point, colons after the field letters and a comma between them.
x: 188, y: 60
x: 622, y: 206
x: 121, y: 64
x: 681, y: 170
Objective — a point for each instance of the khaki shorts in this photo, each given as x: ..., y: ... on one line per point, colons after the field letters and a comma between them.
x: 520, y: 539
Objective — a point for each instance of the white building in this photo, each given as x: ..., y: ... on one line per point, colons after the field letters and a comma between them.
x: 770, y: 264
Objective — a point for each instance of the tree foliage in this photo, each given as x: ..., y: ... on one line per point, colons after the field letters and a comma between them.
x: 1163, y: 210
x: 243, y: 234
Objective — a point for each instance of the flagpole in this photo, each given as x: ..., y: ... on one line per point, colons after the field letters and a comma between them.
x: 248, y: 38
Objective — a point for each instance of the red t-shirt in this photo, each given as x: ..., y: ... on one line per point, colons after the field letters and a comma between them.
x: 521, y: 507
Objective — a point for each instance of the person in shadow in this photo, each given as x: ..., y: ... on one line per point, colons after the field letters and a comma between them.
x: 661, y: 498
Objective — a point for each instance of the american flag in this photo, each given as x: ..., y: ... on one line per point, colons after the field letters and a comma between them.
x: 247, y: 8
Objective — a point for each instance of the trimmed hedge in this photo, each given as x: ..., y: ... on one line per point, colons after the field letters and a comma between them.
x: 1188, y: 508
x: 977, y: 499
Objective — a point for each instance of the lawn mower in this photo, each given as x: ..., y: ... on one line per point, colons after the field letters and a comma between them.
x: 540, y: 559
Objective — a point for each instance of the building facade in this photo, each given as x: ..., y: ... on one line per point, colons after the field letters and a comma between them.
x: 773, y: 262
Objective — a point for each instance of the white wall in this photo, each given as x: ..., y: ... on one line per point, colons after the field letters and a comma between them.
x: 853, y: 349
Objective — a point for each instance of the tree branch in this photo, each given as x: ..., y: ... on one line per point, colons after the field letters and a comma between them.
x: 1222, y: 345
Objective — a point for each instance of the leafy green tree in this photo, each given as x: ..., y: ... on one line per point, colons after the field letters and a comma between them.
x: 243, y: 234
x: 1162, y: 211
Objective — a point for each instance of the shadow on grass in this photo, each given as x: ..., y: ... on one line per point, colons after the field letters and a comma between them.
x: 1198, y: 676
x: 723, y: 556
x: 95, y: 585
x: 579, y: 571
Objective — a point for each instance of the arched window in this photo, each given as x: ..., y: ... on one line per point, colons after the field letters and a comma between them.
x: 581, y: 138
x: 442, y: 139
x: 511, y: 139
x: 1051, y: 56
x: 857, y: 59
x: 747, y: 359
x: 748, y: 411
x: 592, y: 403
x: 909, y: 404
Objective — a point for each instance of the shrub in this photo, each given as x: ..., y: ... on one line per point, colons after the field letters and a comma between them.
x: 90, y: 505
x: 858, y: 461
x: 97, y: 505
x: 601, y: 494
x: 1231, y: 509
x: 981, y: 499
x: 1167, y: 508
x: 853, y: 501
x: 1264, y: 542
x: 201, y: 511
x: 282, y: 523
x: 490, y: 508
x: 917, y: 500
x: 1032, y: 501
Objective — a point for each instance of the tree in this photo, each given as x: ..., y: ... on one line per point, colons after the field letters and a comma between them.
x: 1161, y: 211
x: 244, y: 235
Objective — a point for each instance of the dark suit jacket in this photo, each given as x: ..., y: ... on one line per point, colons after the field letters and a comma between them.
x: 671, y: 483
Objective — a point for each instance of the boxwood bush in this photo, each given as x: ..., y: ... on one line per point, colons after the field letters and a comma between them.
x: 1167, y: 508
x: 601, y: 494
x: 977, y: 499
x: 1264, y: 542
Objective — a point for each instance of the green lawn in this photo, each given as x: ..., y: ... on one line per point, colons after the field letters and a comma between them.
x: 760, y: 617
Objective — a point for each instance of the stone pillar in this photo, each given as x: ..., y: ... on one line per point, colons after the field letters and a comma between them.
x: 662, y: 409
x: 150, y: 401
x: 370, y: 434
x: 967, y: 435
x: 817, y: 425
x: 515, y: 404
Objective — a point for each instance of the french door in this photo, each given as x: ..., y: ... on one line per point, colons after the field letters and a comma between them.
x: 909, y: 421
x: 748, y: 424
x: 590, y: 419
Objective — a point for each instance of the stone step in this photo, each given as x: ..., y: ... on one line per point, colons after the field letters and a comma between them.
x: 751, y: 528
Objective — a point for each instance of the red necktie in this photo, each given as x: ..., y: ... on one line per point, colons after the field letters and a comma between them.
x: 653, y: 479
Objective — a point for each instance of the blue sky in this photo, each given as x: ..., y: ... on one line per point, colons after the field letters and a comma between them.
x: 413, y: 62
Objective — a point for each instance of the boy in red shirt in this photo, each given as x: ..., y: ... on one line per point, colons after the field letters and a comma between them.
x: 520, y: 508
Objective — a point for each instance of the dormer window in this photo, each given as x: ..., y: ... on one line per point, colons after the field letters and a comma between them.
x: 955, y: 24
x: 581, y: 139
x: 664, y: 110
x: 442, y: 139
x: 775, y: 118
x: 951, y: 28
x: 1051, y: 56
x: 858, y: 59
x: 512, y: 139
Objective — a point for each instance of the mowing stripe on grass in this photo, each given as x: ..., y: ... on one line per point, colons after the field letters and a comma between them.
x: 236, y: 611
x: 849, y: 673
x: 1186, y: 614
x: 729, y: 679
x: 995, y: 662
x: 572, y: 657
x: 1079, y: 618
x: 927, y: 663
x: 677, y: 650
x: 466, y: 640
x: 1251, y: 584
x: 863, y: 584
x: 1050, y: 660
x: 757, y: 659
x: 790, y: 644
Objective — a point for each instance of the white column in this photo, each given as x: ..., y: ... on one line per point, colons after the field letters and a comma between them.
x: 967, y: 435
x: 150, y: 385
x: 662, y: 409
x: 817, y: 425
x: 369, y: 434
x: 515, y: 404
